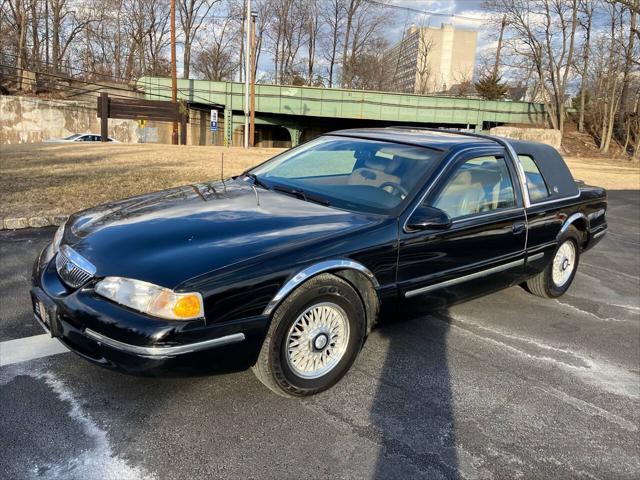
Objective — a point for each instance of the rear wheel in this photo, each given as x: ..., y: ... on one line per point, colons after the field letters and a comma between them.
x: 557, y: 277
x: 314, y: 338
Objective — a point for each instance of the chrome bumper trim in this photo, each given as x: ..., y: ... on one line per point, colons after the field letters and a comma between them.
x: 159, y: 352
x: 600, y: 233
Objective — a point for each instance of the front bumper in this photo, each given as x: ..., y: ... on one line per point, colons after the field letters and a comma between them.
x: 115, y: 336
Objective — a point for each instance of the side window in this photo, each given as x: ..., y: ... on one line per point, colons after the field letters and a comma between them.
x: 479, y: 185
x: 536, y: 185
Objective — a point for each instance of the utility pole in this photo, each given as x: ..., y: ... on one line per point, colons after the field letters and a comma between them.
x: 174, y: 78
x: 252, y: 122
x: 247, y: 66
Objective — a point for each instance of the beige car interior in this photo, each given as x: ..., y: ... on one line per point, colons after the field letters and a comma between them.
x: 376, y: 172
x: 476, y: 189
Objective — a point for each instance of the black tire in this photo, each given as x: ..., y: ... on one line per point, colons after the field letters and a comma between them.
x: 542, y: 284
x: 272, y: 367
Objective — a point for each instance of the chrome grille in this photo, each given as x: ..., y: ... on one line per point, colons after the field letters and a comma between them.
x: 73, y: 269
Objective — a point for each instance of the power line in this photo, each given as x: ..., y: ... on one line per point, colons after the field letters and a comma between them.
x: 425, y: 12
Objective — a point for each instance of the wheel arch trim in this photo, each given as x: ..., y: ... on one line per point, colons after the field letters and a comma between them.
x: 571, y: 220
x: 313, y: 270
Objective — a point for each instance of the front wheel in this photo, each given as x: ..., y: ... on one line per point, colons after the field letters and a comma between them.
x: 557, y: 277
x: 314, y: 338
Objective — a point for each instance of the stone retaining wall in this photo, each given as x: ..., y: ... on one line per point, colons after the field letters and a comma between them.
x: 542, y: 135
x: 31, y: 120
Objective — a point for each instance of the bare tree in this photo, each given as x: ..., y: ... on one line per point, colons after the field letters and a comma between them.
x: 192, y: 14
x: 332, y: 16
x: 66, y: 24
x: 312, y: 26
x: 587, y: 9
x: 362, y: 35
x: 544, y: 31
x: 424, y: 71
x: 18, y: 19
x: 214, y: 59
x: 369, y: 70
x: 288, y: 33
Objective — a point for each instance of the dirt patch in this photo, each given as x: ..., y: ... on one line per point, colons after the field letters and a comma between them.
x: 41, y: 179
x: 610, y: 174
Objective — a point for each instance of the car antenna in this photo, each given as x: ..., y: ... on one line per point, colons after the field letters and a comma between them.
x: 255, y: 190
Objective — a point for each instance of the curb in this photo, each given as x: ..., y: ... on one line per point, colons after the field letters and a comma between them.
x: 16, y: 223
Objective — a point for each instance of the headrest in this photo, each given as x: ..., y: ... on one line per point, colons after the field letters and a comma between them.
x: 375, y: 163
x: 393, y: 164
x: 462, y: 178
x: 486, y: 176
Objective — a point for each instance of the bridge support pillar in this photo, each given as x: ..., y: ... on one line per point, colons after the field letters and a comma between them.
x: 295, y: 134
x: 228, y: 127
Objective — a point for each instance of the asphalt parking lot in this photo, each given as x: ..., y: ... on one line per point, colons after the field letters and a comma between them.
x: 506, y: 386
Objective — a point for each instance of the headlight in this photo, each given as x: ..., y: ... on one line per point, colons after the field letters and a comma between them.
x: 152, y: 299
x: 57, y: 238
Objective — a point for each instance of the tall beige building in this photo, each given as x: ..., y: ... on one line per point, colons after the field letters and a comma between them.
x: 431, y: 60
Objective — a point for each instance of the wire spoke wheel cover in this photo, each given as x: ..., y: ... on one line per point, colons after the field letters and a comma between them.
x: 564, y: 263
x: 317, y: 340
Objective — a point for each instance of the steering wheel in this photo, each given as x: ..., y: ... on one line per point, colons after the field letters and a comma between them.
x: 394, y: 189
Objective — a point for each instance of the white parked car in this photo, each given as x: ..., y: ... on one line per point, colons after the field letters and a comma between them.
x: 80, y: 137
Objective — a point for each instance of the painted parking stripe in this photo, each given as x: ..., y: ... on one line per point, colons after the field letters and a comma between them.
x: 29, y: 348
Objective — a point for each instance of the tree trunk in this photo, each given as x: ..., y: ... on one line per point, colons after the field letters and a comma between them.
x: 46, y: 33
x: 186, y: 57
x: 55, y: 38
x: 35, y: 37
x: 347, y: 34
x: 585, y: 68
x: 240, y: 70
x: 496, y: 65
x: 629, y: 54
x: 22, y: 36
x: 611, y: 118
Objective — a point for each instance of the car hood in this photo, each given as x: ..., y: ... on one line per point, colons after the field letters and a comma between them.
x: 174, y: 235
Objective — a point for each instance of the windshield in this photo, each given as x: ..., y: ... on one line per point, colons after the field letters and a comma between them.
x: 351, y: 173
x: 71, y: 137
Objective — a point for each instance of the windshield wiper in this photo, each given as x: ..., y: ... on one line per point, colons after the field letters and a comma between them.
x: 256, y: 180
x: 301, y: 194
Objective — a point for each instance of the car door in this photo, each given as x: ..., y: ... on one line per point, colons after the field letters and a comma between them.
x: 483, y: 249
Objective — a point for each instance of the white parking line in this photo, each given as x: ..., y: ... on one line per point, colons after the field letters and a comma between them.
x: 29, y: 348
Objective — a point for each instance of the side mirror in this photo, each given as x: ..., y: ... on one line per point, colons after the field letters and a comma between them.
x: 428, y: 218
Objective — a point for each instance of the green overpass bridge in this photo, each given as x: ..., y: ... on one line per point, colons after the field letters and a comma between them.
x: 286, y: 115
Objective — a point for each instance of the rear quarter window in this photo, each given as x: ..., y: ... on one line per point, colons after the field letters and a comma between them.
x: 538, y: 189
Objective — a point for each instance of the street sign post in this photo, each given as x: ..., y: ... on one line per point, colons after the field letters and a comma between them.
x: 214, y: 125
x: 214, y: 120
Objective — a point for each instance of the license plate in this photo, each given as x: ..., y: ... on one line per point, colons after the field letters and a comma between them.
x: 45, y: 311
x: 42, y: 313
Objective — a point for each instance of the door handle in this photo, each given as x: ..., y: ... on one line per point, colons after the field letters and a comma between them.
x: 518, y: 227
